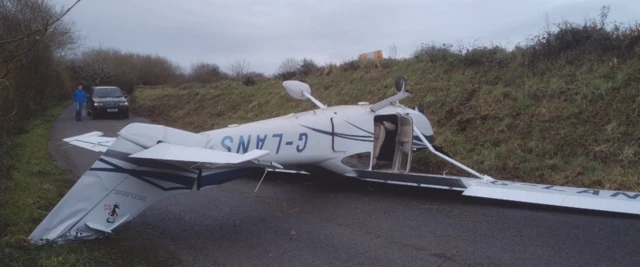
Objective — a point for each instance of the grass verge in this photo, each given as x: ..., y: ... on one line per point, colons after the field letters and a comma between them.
x: 33, y: 188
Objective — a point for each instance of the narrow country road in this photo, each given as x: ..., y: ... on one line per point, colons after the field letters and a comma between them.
x: 310, y: 221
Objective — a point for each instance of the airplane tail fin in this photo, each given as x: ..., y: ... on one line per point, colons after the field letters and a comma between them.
x: 126, y: 180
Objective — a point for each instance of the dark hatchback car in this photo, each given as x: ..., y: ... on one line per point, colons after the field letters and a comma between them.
x: 107, y: 100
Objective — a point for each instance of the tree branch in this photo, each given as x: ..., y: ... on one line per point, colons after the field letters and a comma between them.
x: 15, y: 109
x: 45, y: 27
x: 21, y: 53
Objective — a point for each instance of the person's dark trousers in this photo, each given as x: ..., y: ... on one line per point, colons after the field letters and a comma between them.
x: 78, y: 111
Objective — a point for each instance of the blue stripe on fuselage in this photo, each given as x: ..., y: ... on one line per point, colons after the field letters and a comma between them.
x: 417, y: 141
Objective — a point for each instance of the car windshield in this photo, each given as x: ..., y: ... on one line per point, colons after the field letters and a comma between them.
x: 107, y: 92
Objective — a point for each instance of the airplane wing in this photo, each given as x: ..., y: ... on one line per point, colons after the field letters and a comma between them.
x: 202, y: 157
x: 569, y: 197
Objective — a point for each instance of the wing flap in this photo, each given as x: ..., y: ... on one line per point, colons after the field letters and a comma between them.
x: 570, y: 197
x: 172, y: 152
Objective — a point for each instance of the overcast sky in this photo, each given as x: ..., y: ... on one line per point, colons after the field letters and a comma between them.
x: 266, y: 32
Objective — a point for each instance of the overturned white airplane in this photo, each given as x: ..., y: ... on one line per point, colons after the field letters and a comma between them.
x: 148, y: 162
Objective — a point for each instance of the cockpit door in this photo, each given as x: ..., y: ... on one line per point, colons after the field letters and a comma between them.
x: 404, y: 145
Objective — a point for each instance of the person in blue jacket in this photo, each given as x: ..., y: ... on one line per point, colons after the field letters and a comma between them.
x: 79, y: 99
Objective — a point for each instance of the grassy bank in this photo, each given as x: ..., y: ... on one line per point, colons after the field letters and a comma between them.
x: 563, y: 109
x: 34, y: 187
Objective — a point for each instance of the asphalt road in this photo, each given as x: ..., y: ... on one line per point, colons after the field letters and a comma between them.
x: 319, y: 221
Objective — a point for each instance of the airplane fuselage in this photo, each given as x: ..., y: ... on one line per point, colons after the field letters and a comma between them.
x: 321, y: 137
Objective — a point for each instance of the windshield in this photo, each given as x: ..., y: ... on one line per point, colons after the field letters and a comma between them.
x: 107, y: 92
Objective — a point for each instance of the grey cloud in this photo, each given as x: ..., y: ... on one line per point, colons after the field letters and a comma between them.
x: 266, y: 32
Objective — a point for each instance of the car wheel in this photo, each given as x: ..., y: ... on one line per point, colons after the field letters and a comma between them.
x: 126, y: 115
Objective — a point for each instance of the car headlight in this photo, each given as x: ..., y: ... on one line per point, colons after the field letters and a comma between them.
x: 124, y: 103
x: 97, y: 104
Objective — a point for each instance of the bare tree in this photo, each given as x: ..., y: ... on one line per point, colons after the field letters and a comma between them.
x: 547, y: 23
x: 289, y: 65
x: 288, y: 68
x: 393, y: 51
x: 97, y: 65
x: 239, y: 69
x: 12, y: 41
x: 604, y: 14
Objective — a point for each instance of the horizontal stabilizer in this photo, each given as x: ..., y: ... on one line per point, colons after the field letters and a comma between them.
x: 93, y: 141
x: 172, y: 152
x: 571, y: 197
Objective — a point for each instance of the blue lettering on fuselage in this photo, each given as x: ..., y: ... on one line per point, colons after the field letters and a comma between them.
x: 242, y: 145
x: 260, y: 141
x: 279, y: 136
x: 223, y: 144
x: 244, y: 142
x: 300, y: 138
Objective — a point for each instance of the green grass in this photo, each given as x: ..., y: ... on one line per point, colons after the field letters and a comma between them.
x: 34, y: 187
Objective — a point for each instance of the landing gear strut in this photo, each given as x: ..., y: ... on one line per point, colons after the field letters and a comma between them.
x: 439, y: 149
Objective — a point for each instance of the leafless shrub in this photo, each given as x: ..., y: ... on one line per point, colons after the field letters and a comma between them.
x: 289, y: 65
x: 307, y: 66
x: 109, y: 66
x: 205, y: 73
x: 350, y: 65
x: 239, y: 69
x: 288, y: 68
x: 252, y: 78
x: 571, y: 42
